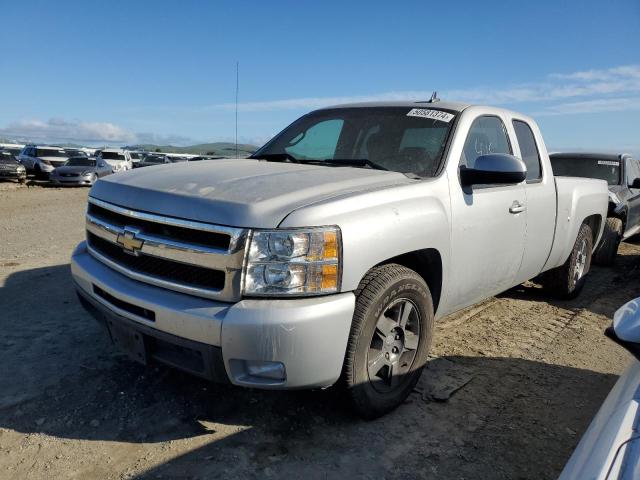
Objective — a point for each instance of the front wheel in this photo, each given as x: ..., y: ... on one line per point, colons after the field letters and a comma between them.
x: 389, y: 340
x: 567, y: 280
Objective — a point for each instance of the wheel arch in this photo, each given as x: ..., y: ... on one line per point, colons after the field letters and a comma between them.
x: 595, y: 222
x: 427, y: 263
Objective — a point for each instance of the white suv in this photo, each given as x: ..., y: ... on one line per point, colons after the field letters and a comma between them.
x: 42, y: 160
x: 120, y: 160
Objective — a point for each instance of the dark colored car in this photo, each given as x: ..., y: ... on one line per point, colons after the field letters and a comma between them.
x: 622, y: 173
x: 150, y: 160
x: 80, y: 171
x: 75, y: 152
x: 11, y: 169
x: 204, y: 157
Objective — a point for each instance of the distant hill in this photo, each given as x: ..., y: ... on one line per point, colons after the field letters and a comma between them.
x: 217, y: 149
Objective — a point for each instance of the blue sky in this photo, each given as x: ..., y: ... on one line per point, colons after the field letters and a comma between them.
x: 135, y: 71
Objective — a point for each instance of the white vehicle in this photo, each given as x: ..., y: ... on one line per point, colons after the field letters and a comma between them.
x: 42, y: 160
x: 610, y: 448
x: 120, y: 160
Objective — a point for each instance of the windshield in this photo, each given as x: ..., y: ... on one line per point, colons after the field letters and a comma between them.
x: 400, y: 139
x: 50, y: 152
x: 603, y: 169
x: 112, y: 156
x: 81, y: 162
x: 154, y: 159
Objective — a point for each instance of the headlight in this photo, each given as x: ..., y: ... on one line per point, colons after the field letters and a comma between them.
x: 87, y: 173
x: 293, y: 262
x: 614, y: 198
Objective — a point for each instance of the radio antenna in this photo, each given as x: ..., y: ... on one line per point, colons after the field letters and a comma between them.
x: 237, y: 88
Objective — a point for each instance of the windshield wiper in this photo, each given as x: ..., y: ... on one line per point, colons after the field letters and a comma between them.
x: 276, y: 157
x: 351, y: 162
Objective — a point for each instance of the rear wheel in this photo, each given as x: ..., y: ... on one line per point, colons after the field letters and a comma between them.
x: 389, y: 340
x: 567, y: 280
x: 611, y: 238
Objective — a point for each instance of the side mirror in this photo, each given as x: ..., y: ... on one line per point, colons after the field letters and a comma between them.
x: 635, y: 183
x: 494, y: 168
x: 626, y: 327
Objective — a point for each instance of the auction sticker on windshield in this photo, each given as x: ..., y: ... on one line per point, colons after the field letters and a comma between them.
x: 432, y: 114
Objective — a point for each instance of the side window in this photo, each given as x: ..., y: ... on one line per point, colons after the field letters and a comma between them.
x: 528, y: 150
x: 633, y: 170
x: 318, y: 142
x: 486, y: 135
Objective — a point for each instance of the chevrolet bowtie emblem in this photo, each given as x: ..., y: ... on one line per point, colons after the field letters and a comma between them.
x: 128, y: 240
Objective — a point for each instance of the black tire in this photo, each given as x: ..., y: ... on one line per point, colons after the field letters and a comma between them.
x: 566, y: 281
x: 382, y: 290
x: 611, y: 238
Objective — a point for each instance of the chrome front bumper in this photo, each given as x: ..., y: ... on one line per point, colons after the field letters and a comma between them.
x: 308, y: 336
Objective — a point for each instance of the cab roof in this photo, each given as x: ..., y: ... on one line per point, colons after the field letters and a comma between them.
x: 438, y: 105
x: 590, y: 155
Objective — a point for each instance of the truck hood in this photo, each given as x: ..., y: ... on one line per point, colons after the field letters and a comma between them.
x: 241, y: 193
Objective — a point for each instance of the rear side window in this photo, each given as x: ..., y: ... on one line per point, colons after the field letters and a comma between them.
x: 486, y: 135
x: 528, y: 150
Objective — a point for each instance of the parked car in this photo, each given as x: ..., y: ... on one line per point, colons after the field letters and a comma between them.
x: 136, y: 157
x: 120, y: 160
x: 622, y: 173
x: 332, y: 251
x: 75, y: 152
x: 176, y: 159
x: 80, y: 170
x: 10, y: 168
x: 610, y: 448
x: 42, y: 160
x: 204, y: 157
x: 151, y: 160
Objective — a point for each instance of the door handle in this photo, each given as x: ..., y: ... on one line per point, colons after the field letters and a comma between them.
x: 517, y: 207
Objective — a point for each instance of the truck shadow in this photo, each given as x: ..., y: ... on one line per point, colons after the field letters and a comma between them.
x: 69, y: 382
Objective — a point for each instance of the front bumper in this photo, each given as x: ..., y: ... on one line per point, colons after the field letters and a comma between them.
x: 71, y: 181
x: 13, y: 175
x: 308, y: 336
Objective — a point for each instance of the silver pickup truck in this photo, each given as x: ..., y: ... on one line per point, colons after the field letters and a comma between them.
x: 331, y: 252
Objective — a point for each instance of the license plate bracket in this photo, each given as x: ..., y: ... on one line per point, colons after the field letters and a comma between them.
x: 130, y: 341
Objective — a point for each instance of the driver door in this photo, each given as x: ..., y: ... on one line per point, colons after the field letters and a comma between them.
x: 488, y: 223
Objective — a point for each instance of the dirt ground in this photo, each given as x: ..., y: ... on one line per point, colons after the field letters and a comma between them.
x: 512, y: 385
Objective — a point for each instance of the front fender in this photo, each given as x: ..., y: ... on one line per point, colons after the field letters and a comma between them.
x: 382, y: 224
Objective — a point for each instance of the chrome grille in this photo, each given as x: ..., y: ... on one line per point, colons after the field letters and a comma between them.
x: 196, y: 258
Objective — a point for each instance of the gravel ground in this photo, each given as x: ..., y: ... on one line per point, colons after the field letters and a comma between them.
x: 512, y: 385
